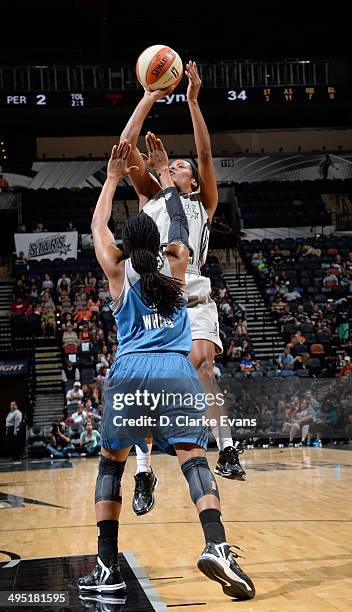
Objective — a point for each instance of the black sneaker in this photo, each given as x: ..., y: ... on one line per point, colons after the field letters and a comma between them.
x: 143, y: 498
x: 95, y: 602
x: 102, y: 578
x: 218, y: 563
x: 228, y: 464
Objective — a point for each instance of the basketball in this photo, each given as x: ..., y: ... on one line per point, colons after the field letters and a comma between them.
x: 159, y: 67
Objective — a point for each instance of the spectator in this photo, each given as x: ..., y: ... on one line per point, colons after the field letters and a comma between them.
x: 301, y: 421
x: 330, y: 281
x: 324, y: 166
x: 70, y: 340
x: 13, y: 425
x: 70, y: 374
x: 106, y: 316
x: 346, y: 370
x: 47, y: 283
x: 79, y: 416
x: 21, y: 261
x: 89, y: 440
x: 19, y: 307
x: 74, y: 395
x: 285, y: 360
x: 63, y: 279
x: 247, y: 365
x: 90, y: 281
x: 94, y: 303
x: 77, y: 282
x: 102, y: 362
x: 104, y: 293
x: 40, y: 228
x: 70, y: 227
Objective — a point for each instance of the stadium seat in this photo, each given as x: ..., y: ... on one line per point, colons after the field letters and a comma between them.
x: 36, y: 441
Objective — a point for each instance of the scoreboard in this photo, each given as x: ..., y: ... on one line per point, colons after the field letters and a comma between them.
x: 251, y: 97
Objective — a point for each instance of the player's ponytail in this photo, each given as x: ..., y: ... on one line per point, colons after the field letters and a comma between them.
x: 141, y: 241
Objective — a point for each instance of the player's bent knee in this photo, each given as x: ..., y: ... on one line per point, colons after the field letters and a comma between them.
x: 107, y: 487
x: 199, y: 477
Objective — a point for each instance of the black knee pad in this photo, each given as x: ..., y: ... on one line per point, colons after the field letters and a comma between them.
x: 199, y: 477
x: 107, y: 487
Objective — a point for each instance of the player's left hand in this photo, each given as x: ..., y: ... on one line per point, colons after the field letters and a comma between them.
x: 117, y: 165
x: 194, y: 81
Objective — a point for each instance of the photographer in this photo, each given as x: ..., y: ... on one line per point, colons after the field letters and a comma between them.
x: 60, y: 445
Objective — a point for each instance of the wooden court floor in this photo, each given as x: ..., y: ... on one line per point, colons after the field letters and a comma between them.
x: 292, y: 519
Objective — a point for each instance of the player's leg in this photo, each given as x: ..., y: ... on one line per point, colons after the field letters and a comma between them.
x: 106, y: 576
x: 228, y: 465
x: 217, y: 561
x: 145, y: 482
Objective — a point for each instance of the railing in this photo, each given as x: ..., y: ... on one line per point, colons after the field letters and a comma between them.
x: 240, y: 73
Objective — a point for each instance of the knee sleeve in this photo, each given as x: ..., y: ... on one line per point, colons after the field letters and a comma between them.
x: 107, y: 487
x: 200, y: 479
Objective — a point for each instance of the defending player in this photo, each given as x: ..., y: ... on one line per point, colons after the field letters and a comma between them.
x: 154, y: 341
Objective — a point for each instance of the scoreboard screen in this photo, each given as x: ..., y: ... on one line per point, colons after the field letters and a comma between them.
x: 255, y: 97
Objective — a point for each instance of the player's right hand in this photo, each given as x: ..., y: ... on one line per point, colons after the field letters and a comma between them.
x: 158, y: 94
x: 157, y: 156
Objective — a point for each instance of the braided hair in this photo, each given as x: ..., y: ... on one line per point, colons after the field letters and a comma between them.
x: 141, y: 241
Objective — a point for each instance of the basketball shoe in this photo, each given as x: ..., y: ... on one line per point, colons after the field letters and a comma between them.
x: 228, y: 464
x: 143, y: 498
x: 102, y: 578
x: 218, y: 563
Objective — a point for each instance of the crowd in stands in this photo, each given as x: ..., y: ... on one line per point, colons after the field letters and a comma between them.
x: 303, y: 411
x: 305, y: 283
x: 308, y: 286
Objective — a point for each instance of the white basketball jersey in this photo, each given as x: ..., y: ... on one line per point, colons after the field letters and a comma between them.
x: 199, y: 230
x: 198, y: 221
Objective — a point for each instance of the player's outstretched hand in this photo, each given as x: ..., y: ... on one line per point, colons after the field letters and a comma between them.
x: 117, y: 165
x: 158, y: 94
x: 157, y: 156
x: 194, y: 81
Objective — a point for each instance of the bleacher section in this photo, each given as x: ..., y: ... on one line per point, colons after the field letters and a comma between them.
x: 282, y: 204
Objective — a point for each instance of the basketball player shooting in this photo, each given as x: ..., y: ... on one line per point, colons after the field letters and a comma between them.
x: 199, y: 196
x: 146, y: 287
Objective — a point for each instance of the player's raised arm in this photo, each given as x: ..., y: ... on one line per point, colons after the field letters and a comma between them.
x: 144, y: 183
x: 177, y: 248
x: 207, y: 176
x: 107, y: 253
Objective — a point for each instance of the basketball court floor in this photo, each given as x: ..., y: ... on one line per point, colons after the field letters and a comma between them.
x: 292, y: 520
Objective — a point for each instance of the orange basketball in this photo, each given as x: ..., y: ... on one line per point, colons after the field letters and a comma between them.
x: 158, y: 67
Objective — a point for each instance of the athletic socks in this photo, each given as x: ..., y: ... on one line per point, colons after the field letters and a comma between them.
x: 107, y: 541
x: 143, y: 459
x: 223, y: 439
x: 212, y: 526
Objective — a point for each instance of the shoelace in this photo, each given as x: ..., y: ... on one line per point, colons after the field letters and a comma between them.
x: 234, y: 553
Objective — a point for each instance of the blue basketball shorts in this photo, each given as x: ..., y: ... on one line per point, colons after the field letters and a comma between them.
x: 157, y: 394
